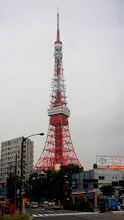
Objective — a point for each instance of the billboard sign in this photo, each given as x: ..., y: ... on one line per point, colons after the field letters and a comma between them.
x: 110, y: 162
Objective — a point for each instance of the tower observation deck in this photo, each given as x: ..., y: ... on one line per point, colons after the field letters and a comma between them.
x: 58, y: 148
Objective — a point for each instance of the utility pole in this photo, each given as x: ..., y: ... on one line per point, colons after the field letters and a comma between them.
x: 21, y: 175
x: 21, y: 180
x: 15, y: 181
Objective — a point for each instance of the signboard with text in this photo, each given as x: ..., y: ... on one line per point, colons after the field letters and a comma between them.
x: 110, y: 162
x: 74, y: 183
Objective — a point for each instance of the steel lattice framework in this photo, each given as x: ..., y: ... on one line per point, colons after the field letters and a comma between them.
x: 58, y: 147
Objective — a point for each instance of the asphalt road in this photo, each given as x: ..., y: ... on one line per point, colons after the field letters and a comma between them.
x: 46, y: 211
x: 38, y: 214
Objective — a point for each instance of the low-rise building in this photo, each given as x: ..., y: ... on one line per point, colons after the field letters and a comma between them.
x: 108, y: 171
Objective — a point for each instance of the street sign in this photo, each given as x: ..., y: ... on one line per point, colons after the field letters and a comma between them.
x: 74, y: 183
x: 23, y: 190
x: 18, y: 191
x: 38, y: 171
x: 3, y: 191
x: 25, y: 200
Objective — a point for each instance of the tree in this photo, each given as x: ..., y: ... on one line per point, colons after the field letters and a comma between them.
x: 62, y: 181
x: 121, y: 191
x: 10, y: 183
x: 51, y: 187
x: 107, y: 190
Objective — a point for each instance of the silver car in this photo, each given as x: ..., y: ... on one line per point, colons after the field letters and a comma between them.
x: 34, y: 204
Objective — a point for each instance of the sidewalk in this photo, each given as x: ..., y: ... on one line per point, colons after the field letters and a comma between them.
x: 96, y: 209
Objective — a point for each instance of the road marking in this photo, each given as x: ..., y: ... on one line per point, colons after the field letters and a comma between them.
x: 46, y: 214
x: 34, y: 215
x: 63, y: 214
x: 118, y: 212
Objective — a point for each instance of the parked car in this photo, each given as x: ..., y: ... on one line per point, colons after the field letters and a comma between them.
x: 34, y: 204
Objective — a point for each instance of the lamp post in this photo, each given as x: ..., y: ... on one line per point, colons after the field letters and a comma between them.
x: 15, y: 181
x: 64, y: 187
x: 121, y: 173
x: 22, y: 146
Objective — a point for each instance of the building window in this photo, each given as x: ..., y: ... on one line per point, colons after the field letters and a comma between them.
x: 101, y: 177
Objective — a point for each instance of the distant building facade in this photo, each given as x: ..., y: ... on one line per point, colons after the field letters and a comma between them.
x: 95, y: 178
x: 11, y: 158
x: 108, y: 170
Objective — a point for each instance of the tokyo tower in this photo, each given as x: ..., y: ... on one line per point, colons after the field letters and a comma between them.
x: 58, y: 149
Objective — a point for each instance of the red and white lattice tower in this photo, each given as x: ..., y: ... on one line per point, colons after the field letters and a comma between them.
x: 58, y: 149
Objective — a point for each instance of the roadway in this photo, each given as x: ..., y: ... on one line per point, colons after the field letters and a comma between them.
x: 48, y: 214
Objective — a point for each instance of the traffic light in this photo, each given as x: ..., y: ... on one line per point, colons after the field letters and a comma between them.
x: 42, y: 175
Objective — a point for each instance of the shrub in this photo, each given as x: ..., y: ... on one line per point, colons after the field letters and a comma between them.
x: 15, y: 217
x: 77, y: 206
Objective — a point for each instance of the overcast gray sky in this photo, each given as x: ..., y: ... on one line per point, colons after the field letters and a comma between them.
x: 92, y: 32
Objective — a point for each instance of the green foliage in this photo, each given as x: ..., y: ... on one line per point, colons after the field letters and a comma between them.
x: 10, y: 183
x: 51, y: 187
x: 15, y: 217
x: 121, y: 191
x: 60, y: 178
x: 107, y: 190
x: 77, y: 206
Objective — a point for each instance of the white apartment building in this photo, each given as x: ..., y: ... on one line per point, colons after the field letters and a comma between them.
x: 10, y: 150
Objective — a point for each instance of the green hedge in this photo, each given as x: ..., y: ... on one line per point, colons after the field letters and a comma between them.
x: 15, y: 217
x: 78, y: 206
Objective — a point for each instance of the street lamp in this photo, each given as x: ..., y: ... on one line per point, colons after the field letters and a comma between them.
x: 120, y: 172
x: 22, y: 146
x: 67, y: 183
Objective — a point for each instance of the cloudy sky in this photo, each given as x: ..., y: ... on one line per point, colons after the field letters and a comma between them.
x: 92, y: 32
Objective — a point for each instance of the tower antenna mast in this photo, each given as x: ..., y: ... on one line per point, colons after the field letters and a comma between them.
x: 57, y: 26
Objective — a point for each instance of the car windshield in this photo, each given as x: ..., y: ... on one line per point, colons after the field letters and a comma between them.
x: 112, y: 200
